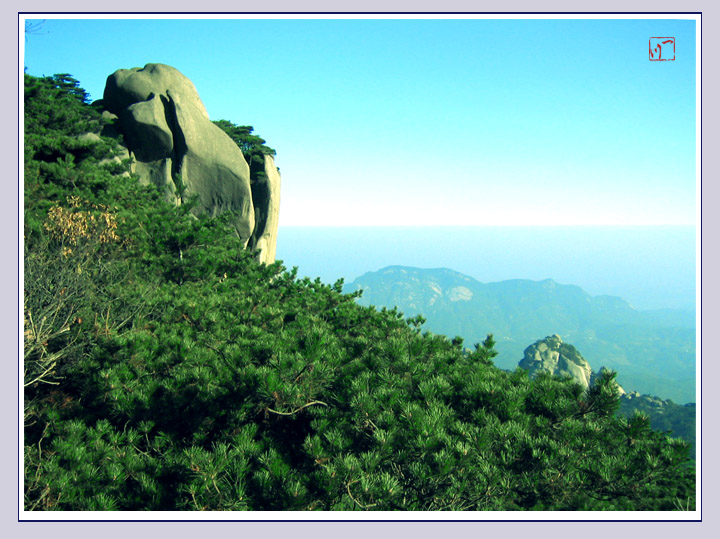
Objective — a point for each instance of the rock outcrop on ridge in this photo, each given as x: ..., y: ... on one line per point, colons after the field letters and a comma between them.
x: 556, y: 357
x: 174, y: 145
x: 560, y: 359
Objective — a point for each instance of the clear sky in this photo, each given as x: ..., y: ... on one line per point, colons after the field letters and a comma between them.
x: 431, y: 122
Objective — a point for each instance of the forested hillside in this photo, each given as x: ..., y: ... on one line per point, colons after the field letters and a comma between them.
x: 166, y: 369
x: 664, y: 415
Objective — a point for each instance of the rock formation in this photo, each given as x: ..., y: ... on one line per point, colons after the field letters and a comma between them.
x: 560, y: 359
x: 266, y: 198
x: 174, y: 145
x: 552, y: 355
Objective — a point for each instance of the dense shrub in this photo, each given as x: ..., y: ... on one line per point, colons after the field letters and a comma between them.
x: 165, y: 369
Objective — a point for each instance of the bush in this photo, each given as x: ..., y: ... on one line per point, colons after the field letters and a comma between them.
x: 165, y: 369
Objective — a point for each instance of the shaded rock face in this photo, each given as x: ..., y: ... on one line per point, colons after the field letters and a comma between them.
x: 174, y: 145
x: 552, y: 355
x: 266, y: 199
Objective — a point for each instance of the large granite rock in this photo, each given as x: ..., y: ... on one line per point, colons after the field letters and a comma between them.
x: 174, y: 145
x: 560, y: 359
x: 266, y: 197
x: 556, y: 357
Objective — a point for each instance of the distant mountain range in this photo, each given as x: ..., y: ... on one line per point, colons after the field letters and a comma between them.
x: 652, y: 351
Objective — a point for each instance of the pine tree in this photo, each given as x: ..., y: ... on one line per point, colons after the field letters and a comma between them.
x: 167, y: 370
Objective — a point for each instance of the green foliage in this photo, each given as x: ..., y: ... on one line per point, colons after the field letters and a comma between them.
x: 664, y: 416
x: 252, y: 146
x: 186, y: 376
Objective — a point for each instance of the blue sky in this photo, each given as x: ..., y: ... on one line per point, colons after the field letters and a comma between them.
x: 431, y: 122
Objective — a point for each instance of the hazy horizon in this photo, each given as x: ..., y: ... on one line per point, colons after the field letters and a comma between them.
x: 650, y: 267
x: 515, y: 126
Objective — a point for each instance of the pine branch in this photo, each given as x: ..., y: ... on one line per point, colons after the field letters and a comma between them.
x: 297, y: 409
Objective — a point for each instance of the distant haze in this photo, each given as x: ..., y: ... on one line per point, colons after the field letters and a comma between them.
x: 650, y: 267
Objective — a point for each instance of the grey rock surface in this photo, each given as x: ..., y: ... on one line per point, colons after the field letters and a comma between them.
x: 174, y: 145
x: 560, y: 359
x: 266, y: 196
x: 552, y: 355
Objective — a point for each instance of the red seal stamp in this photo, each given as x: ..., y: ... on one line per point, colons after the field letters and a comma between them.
x: 662, y: 49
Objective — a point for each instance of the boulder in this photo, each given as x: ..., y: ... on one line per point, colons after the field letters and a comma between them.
x: 174, y: 145
x: 552, y: 355
x: 560, y: 359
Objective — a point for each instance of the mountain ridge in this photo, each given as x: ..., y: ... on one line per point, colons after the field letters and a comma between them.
x: 638, y: 344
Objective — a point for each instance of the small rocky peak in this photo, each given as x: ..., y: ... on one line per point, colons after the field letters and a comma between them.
x: 555, y: 357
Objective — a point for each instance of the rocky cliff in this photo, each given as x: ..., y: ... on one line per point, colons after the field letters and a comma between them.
x: 174, y: 145
x: 266, y: 199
